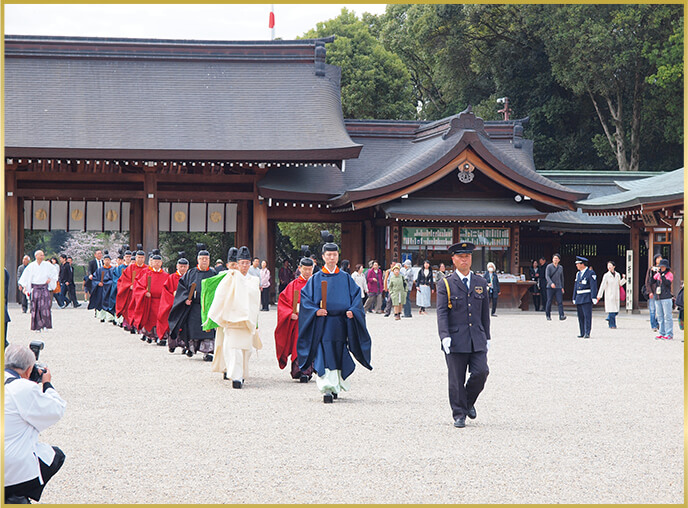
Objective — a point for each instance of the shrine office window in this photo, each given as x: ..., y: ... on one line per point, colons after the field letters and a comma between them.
x: 491, y: 244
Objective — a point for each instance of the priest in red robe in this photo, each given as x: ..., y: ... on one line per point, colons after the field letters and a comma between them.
x: 147, y: 293
x: 287, y: 329
x: 169, y: 289
x: 125, y: 288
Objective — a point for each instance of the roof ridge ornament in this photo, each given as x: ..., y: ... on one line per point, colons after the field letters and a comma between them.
x: 466, y: 120
x: 320, y: 54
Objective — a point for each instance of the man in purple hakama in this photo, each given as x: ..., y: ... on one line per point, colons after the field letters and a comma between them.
x: 38, y: 280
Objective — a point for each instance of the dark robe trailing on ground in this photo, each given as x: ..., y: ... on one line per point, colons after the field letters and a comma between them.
x: 185, y: 320
x: 325, y: 341
x: 100, y: 295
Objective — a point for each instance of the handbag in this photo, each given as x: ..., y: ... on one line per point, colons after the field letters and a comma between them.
x: 57, y: 287
x: 622, y: 294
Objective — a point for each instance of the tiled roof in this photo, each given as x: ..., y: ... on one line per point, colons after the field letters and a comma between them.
x: 241, y: 101
x: 461, y: 209
x: 656, y: 189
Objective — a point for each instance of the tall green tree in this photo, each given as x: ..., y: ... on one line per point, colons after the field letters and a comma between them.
x: 375, y: 82
x: 601, y: 51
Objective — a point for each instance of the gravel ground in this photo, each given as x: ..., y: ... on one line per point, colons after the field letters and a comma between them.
x: 561, y: 419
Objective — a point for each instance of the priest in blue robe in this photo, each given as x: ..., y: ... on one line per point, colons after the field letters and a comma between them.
x: 101, y: 287
x: 332, y: 326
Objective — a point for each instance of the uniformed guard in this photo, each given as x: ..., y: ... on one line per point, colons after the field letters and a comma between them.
x: 463, y: 323
x: 584, y: 295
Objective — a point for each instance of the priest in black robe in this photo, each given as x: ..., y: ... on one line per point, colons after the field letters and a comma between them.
x: 333, y: 327
x: 185, y: 315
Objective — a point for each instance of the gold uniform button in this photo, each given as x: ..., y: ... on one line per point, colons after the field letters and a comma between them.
x: 470, y: 324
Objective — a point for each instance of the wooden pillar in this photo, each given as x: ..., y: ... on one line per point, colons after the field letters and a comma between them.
x: 14, y: 231
x: 135, y: 222
x: 515, y: 249
x: 272, y: 266
x: 369, y: 247
x: 676, y: 259
x: 260, y: 228
x: 243, y: 233
x: 638, y: 278
x: 150, y: 210
x: 352, y: 243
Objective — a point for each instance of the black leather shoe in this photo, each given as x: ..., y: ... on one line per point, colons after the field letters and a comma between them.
x: 586, y: 336
x: 149, y: 340
x: 208, y: 357
x: 327, y: 398
x: 189, y: 353
x: 471, y: 413
x: 224, y: 376
x: 237, y: 384
x: 579, y: 336
x: 171, y: 349
x: 143, y: 338
x: 460, y: 422
x: 549, y: 318
x: 102, y: 320
x: 334, y: 396
x: 162, y: 342
x: 303, y: 378
x: 561, y: 318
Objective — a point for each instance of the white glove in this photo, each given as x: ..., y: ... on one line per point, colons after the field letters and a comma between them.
x: 446, y: 344
x: 594, y: 301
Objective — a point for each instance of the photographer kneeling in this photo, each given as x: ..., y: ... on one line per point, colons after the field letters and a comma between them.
x: 29, y: 409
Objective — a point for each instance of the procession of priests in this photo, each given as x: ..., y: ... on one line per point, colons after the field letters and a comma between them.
x: 214, y: 311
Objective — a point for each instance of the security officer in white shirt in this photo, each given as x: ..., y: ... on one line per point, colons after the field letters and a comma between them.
x: 463, y: 323
x: 29, y: 409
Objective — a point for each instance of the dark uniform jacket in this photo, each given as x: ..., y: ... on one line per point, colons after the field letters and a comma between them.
x: 585, y: 287
x: 468, y: 321
x: 66, y: 273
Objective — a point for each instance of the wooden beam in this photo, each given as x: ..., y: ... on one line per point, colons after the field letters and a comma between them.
x: 79, y: 194
x: 243, y: 233
x: 56, y: 176
x: 136, y: 222
x: 205, y: 196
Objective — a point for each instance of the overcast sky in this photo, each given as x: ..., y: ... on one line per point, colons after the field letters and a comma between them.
x: 156, y: 21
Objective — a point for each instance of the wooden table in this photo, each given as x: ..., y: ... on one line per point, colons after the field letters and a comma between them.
x: 515, y: 295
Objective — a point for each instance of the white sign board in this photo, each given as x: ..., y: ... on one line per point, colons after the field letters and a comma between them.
x: 629, y: 280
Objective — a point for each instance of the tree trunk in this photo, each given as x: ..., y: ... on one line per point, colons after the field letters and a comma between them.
x: 635, y: 123
x: 619, y: 133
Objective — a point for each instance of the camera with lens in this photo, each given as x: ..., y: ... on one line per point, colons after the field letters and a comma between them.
x: 38, y: 368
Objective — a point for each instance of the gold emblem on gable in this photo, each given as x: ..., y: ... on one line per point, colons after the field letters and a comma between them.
x: 111, y: 215
x: 77, y: 214
x: 179, y: 216
x: 41, y: 214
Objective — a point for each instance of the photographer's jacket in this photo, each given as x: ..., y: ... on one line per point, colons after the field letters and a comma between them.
x: 28, y: 411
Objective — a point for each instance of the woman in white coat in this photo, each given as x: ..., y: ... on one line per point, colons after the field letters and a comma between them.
x: 610, y: 288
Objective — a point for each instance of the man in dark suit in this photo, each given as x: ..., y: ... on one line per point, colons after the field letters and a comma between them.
x: 463, y: 322
x: 93, y: 265
x: 584, y: 296
x: 67, y: 288
x: 542, y: 282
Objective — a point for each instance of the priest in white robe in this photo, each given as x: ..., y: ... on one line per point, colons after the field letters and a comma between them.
x: 38, y: 280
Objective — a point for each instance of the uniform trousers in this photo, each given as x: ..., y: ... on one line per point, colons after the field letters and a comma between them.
x: 584, y: 318
x: 68, y: 292
x: 462, y: 393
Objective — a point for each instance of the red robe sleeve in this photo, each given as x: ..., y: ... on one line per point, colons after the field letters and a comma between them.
x: 166, y: 300
x: 287, y: 329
